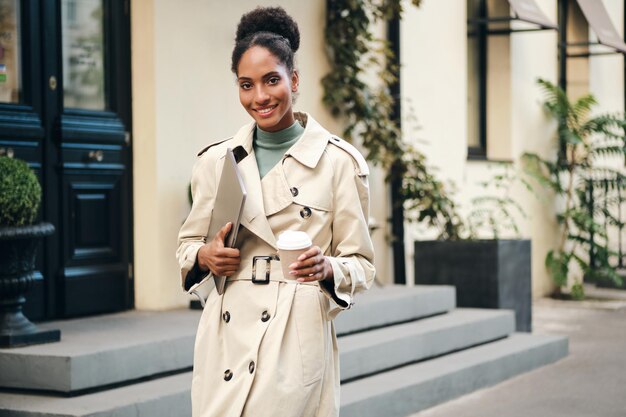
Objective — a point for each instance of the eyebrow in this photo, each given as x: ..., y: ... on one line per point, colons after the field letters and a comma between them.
x: 269, y: 74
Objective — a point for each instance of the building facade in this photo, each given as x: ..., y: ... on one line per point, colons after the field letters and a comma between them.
x: 111, y: 100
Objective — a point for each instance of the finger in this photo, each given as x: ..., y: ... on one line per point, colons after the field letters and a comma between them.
x: 225, y: 262
x: 314, y: 251
x: 227, y: 253
x: 224, y: 231
x: 308, y: 263
x: 222, y: 269
x: 305, y: 272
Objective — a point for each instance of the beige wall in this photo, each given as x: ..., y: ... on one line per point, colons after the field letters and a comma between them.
x: 185, y: 97
x: 607, y: 71
x: 433, y: 42
x: 534, y: 55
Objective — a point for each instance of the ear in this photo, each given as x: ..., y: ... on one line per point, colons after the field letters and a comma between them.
x: 295, y: 79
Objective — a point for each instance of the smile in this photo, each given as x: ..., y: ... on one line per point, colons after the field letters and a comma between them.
x: 266, y: 110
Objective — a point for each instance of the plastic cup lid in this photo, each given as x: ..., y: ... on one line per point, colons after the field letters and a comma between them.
x: 291, y: 239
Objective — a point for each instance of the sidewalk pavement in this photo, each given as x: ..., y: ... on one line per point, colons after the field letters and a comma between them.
x: 590, y: 382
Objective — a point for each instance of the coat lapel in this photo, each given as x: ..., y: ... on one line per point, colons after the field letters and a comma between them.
x: 273, y: 193
x: 307, y: 151
x: 254, y: 217
x: 276, y: 192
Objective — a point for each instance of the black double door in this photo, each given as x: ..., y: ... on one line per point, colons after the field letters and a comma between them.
x: 65, y: 109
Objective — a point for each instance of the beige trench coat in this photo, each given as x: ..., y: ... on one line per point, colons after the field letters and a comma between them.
x: 271, y: 350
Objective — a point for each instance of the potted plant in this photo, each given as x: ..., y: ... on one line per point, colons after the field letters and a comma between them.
x: 487, y: 270
x: 585, y: 146
x: 20, y: 196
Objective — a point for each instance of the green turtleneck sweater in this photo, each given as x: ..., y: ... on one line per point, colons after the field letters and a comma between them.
x: 269, y: 147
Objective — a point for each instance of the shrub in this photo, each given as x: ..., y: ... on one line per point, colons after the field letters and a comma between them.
x: 20, y: 193
x: 585, y: 142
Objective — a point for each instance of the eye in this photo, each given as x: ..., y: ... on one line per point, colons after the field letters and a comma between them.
x: 245, y: 85
x: 273, y: 80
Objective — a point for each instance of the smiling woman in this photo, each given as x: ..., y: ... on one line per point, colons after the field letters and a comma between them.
x: 271, y: 349
x: 265, y: 89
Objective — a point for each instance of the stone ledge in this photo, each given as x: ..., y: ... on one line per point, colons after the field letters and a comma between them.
x: 103, y: 350
x: 416, y: 387
x: 389, y: 347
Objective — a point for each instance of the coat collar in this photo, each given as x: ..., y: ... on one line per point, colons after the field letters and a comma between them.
x: 308, y: 151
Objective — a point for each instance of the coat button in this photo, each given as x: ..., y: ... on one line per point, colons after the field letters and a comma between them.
x: 305, y: 213
x: 251, y: 367
x: 265, y: 316
x: 226, y: 316
x: 228, y: 375
x: 294, y: 191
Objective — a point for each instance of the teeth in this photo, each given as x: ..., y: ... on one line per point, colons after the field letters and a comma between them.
x: 269, y: 109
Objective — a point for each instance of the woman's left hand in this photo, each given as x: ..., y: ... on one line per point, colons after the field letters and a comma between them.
x: 312, y: 265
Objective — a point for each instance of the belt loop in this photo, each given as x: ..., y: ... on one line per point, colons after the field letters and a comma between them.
x: 268, y: 266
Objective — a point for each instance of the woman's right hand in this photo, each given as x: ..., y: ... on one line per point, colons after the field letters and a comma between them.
x: 220, y: 260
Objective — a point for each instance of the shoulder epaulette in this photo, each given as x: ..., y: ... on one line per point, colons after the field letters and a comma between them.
x: 354, y: 153
x: 213, y: 144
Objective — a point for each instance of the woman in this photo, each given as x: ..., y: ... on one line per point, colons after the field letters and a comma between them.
x: 271, y: 350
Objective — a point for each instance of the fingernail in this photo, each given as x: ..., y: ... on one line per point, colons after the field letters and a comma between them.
x: 301, y: 258
x: 293, y: 265
x: 300, y: 280
x: 292, y: 272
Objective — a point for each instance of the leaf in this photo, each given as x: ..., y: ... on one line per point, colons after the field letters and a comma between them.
x: 557, y: 265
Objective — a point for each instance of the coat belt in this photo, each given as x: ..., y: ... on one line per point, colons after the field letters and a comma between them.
x: 265, y: 269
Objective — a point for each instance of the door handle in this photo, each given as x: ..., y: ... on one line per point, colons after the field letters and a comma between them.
x: 95, y: 156
x: 52, y: 82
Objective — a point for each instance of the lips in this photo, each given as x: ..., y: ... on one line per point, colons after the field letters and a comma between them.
x: 266, y: 111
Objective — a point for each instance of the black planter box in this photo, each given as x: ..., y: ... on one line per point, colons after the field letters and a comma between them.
x: 486, y: 273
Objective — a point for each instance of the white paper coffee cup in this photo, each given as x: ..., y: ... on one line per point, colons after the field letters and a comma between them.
x: 291, y: 244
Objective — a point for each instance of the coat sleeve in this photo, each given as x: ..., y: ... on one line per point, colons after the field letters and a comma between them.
x: 352, y: 251
x: 192, y: 234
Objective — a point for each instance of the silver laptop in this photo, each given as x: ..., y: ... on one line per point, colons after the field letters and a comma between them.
x: 229, y: 202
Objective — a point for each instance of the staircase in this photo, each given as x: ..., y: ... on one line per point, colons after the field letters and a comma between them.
x: 402, y: 350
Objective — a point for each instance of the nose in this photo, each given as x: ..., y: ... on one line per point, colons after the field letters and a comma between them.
x: 260, y: 95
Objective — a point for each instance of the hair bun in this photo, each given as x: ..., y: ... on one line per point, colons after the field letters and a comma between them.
x: 269, y: 19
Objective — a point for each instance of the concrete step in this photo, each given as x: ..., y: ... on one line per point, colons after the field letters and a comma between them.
x: 385, y: 348
x: 399, y: 392
x: 382, y: 306
x: 103, y: 350
x: 117, y: 348
x: 412, y: 388
x: 164, y: 397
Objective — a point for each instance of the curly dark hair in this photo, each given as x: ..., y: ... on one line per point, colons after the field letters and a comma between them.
x: 271, y: 28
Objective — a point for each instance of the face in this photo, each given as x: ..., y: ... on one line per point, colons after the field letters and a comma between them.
x: 265, y: 89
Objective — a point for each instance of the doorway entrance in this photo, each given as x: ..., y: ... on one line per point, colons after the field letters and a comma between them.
x: 65, y: 108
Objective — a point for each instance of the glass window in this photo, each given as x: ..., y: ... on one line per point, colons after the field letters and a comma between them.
x: 10, y: 51
x: 476, y: 77
x: 83, y: 54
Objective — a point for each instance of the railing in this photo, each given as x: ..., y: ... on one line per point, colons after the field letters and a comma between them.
x: 606, y: 199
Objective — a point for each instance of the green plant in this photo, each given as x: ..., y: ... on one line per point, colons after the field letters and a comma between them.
x: 20, y: 193
x: 584, y: 142
x: 495, y: 210
x: 368, y: 111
